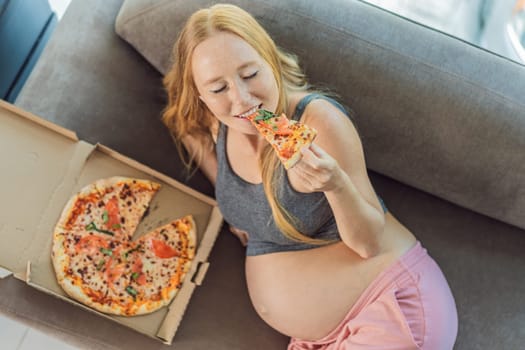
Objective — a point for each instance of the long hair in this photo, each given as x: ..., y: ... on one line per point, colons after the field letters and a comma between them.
x: 186, y: 114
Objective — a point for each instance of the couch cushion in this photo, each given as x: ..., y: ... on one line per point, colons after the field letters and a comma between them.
x: 433, y: 112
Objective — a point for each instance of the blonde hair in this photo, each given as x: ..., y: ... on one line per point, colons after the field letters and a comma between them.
x: 185, y: 114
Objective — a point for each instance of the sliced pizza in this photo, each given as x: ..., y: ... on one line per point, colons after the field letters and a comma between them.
x: 112, y: 206
x: 287, y: 137
x: 97, y: 262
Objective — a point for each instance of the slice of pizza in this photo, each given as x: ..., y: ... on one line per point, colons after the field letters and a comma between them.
x: 112, y: 206
x: 126, y: 202
x: 102, y: 267
x: 287, y: 137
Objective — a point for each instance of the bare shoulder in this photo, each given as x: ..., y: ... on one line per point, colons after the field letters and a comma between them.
x: 336, y: 131
x: 338, y: 136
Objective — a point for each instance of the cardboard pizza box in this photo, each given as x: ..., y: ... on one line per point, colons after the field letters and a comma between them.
x: 42, y: 165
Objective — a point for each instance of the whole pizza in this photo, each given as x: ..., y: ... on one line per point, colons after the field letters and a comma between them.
x: 97, y: 262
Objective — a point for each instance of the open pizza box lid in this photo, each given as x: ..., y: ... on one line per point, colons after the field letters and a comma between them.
x: 42, y: 165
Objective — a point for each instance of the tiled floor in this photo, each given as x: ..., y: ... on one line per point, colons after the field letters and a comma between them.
x: 17, y: 336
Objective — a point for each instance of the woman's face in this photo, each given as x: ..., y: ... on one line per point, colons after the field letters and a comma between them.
x: 233, y: 80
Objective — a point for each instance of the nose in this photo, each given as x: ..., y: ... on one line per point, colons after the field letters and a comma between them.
x: 239, y: 93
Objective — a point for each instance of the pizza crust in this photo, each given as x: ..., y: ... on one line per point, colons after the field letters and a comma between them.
x: 294, y: 159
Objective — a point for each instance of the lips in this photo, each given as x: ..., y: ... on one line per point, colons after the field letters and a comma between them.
x: 249, y: 113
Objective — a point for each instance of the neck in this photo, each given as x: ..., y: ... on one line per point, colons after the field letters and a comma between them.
x: 255, y: 143
x: 252, y: 143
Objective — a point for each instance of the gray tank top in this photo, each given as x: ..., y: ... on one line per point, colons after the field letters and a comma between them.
x: 244, y: 205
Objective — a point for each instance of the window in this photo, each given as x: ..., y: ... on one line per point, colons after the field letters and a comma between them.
x: 496, y: 25
x: 516, y: 29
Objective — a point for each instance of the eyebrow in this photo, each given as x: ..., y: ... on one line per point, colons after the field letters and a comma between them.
x: 244, y: 65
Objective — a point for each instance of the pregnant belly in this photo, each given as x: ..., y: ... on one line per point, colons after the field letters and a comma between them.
x: 306, y: 294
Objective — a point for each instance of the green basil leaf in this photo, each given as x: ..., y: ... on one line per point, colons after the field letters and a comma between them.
x: 107, y: 252
x: 131, y: 291
x: 92, y: 226
x: 264, y: 115
x: 100, y: 264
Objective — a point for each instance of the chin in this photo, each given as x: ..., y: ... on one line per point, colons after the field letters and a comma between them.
x: 250, y: 131
x: 242, y: 125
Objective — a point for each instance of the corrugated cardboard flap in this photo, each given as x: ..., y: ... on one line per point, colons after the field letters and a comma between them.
x: 197, y: 273
x: 39, y: 163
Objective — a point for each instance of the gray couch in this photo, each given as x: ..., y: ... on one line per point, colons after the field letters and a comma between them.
x: 442, y: 123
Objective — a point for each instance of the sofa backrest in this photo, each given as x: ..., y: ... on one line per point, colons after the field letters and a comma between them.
x: 433, y: 112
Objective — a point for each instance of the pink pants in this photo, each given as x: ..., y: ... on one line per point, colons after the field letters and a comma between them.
x: 408, y: 306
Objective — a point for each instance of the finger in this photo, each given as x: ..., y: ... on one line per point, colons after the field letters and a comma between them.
x: 235, y: 230
x: 303, y: 172
x: 317, y: 150
x: 241, y: 235
x: 244, y: 238
x: 314, y: 163
x: 309, y: 157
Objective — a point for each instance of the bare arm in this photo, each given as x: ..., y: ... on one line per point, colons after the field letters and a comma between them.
x: 335, y: 165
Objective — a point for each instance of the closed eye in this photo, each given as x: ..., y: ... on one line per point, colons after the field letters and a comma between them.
x: 221, y: 89
x: 253, y: 75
